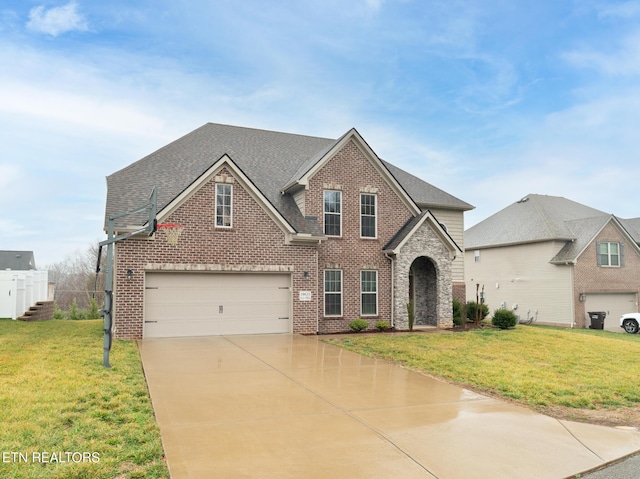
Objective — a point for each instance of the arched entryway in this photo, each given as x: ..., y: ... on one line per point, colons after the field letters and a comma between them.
x: 423, y: 291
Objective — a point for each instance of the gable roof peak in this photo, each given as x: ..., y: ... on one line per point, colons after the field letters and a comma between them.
x: 532, y: 218
x: 267, y: 158
x: 17, y: 260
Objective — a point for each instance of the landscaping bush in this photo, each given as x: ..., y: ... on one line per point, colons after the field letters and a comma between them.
x: 382, y: 326
x: 457, y: 312
x: 358, y: 325
x: 411, y: 314
x: 57, y: 312
x: 504, y: 318
x: 94, y: 310
x: 472, y: 306
x: 75, y: 313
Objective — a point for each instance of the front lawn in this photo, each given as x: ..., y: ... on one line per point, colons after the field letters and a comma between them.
x: 65, y: 416
x: 538, y: 366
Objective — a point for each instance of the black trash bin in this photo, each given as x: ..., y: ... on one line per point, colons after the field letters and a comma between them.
x: 597, y: 319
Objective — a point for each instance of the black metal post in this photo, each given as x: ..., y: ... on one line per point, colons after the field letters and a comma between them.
x: 107, y: 311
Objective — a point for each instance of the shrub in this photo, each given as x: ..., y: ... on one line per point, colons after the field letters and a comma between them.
x: 382, y: 326
x: 411, y: 314
x: 457, y: 312
x: 94, y: 310
x: 358, y: 325
x: 504, y: 318
x: 57, y: 312
x: 472, y: 306
x: 75, y: 313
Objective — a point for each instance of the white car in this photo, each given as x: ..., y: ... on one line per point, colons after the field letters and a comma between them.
x: 629, y: 322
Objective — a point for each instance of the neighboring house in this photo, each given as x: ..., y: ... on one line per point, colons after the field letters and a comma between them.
x: 21, y: 286
x: 17, y: 260
x: 555, y: 260
x: 282, y: 233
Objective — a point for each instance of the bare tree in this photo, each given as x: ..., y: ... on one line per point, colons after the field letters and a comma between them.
x: 75, y: 278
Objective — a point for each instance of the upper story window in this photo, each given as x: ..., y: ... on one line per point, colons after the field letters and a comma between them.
x: 333, y: 213
x: 609, y: 254
x: 224, y: 210
x: 368, y: 208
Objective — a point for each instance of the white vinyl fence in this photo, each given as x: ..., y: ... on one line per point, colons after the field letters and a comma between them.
x: 19, y: 290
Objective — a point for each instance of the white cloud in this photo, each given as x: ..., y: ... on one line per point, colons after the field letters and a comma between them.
x: 81, y: 109
x: 624, y: 10
x: 8, y: 174
x: 56, y: 20
x: 374, y: 5
x: 624, y: 60
x: 586, y: 153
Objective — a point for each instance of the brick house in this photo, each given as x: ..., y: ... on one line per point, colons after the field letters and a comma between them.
x: 282, y: 233
x: 555, y: 260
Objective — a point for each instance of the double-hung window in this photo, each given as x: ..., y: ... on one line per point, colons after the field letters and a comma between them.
x: 333, y: 292
x: 609, y: 254
x: 333, y: 213
x: 224, y: 211
x: 367, y: 215
x: 369, y: 293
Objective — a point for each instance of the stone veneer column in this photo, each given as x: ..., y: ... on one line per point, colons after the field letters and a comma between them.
x: 423, y: 242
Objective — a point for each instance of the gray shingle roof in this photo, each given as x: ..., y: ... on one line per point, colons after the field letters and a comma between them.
x: 584, y: 230
x: 402, y: 233
x: 533, y: 218
x: 632, y: 226
x: 425, y: 194
x: 410, y: 225
x: 269, y: 159
x: 17, y: 260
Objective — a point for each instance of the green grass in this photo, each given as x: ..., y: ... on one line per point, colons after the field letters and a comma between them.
x: 55, y: 397
x: 538, y: 366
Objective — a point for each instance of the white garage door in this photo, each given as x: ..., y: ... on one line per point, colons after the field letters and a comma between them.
x: 614, y: 304
x: 199, y: 304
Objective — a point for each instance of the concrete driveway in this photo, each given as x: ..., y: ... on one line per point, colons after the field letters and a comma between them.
x: 280, y: 406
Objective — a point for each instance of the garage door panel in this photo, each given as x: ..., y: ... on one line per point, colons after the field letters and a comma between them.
x: 191, y: 304
x: 614, y: 304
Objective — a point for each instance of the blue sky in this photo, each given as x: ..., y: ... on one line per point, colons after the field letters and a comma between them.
x: 488, y: 100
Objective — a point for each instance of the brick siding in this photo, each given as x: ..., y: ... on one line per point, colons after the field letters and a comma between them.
x: 255, y: 240
x: 351, y: 172
x: 591, y: 278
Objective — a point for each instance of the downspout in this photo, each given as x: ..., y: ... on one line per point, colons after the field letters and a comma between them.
x: 573, y: 297
x: 393, y: 291
x: 317, y: 293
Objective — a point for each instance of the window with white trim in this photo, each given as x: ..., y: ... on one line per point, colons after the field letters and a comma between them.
x: 609, y: 254
x: 333, y: 292
x: 224, y: 210
x: 333, y: 213
x: 368, y: 209
x: 369, y: 293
